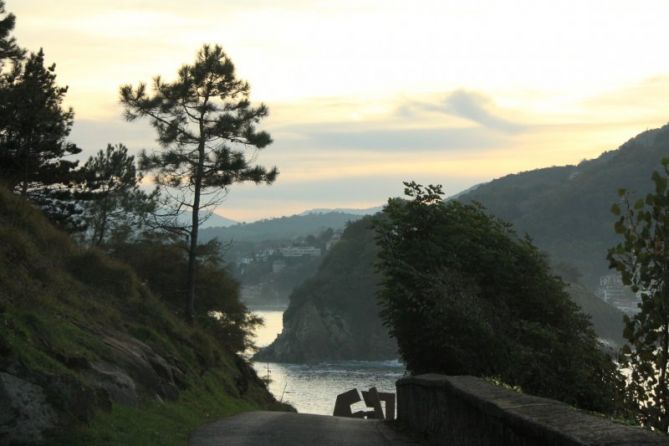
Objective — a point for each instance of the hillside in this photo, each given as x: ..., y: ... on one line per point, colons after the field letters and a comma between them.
x: 89, y: 356
x: 216, y: 221
x: 566, y: 210
x: 334, y: 315
x: 283, y: 228
x: 361, y: 212
x: 251, y: 251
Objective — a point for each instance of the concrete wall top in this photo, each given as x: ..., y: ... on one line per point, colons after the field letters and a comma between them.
x: 526, y: 416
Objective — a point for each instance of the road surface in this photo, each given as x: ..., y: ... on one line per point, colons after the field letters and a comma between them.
x: 291, y: 429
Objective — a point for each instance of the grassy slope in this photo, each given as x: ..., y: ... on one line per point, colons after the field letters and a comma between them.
x: 157, y: 423
x: 56, y: 300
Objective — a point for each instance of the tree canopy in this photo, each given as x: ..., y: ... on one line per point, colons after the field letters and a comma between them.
x: 113, y: 200
x: 463, y: 294
x: 9, y: 49
x: 34, y: 127
x: 206, y: 126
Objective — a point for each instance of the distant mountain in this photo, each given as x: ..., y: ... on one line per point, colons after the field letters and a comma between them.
x: 566, y: 210
x: 351, y: 211
x: 215, y: 221
x: 465, y: 192
x: 283, y: 228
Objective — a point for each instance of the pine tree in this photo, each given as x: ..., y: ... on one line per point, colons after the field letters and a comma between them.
x: 112, y: 198
x: 8, y: 47
x: 207, y: 129
x: 34, y: 128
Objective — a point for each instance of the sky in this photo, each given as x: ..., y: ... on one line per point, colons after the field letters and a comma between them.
x: 365, y: 94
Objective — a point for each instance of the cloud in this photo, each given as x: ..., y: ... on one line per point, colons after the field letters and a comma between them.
x: 93, y: 135
x: 469, y: 105
x: 650, y: 94
x: 250, y: 202
x: 365, y: 137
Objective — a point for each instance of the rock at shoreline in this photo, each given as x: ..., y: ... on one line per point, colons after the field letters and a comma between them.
x: 334, y: 315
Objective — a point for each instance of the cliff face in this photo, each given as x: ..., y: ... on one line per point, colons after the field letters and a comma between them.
x: 81, y: 337
x: 334, y: 316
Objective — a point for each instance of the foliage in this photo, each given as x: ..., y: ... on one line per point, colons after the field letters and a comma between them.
x: 160, y: 262
x: 206, y: 125
x: 34, y: 128
x: 462, y: 294
x: 113, y: 199
x: 642, y: 258
x: 8, y: 47
x: 160, y: 423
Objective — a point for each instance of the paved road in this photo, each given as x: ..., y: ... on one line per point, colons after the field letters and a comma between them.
x: 291, y: 429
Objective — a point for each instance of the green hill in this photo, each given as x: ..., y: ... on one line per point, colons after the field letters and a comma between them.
x: 283, y: 228
x: 566, y: 210
x: 261, y: 284
x: 89, y: 356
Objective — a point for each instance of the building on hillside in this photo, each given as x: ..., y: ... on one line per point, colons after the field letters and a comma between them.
x: 278, y: 266
x: 300, y: 251
x: 265, y: 254
x: 333, y: 240
x: 612, y: 290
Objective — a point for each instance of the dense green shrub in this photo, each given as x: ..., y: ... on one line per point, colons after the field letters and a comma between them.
x: 464, y: 295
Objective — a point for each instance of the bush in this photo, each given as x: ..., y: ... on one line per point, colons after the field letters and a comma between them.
x: 464, y: 295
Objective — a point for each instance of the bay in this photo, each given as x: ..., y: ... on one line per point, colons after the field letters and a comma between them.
x: 313, y: 388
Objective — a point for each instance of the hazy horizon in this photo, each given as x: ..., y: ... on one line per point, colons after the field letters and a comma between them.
x: 366, y: 94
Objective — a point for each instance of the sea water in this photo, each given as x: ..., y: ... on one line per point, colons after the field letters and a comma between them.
x: 313, y: 388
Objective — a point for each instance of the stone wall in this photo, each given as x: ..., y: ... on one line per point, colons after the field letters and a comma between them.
x: 463, y: 410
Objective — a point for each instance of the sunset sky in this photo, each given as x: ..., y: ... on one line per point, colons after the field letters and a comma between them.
x: 364, y: 94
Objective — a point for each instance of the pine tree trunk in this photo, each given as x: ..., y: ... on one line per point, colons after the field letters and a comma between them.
x: 195, y: 222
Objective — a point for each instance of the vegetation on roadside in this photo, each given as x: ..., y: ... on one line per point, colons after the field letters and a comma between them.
x: 163, y: 423
x: 64, y: 311
x: 464, y: 295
